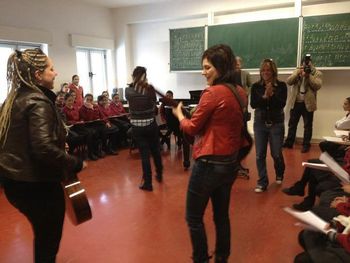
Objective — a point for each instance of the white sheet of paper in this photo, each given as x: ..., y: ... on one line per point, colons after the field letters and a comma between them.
x: 309, y: 218
x: 335, y: 167
x: 340, y: 133
x: 318, y: 166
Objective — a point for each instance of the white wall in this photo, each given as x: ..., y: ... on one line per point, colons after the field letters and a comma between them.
x: 142, y: 38
x: 57, y: 19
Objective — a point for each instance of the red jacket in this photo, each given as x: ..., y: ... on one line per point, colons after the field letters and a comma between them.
x: 79, y: 100
x: 87, y: 114
x: 116, y: 109
x: 217, y: 122
x: 72, y: 115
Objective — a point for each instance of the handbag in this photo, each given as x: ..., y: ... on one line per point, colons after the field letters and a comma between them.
x: 243, y: 151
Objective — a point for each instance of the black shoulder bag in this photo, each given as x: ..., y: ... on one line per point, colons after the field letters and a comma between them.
x: 243, y: 152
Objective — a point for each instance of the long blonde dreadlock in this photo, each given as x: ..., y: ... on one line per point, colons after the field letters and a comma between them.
x: 21, y: 68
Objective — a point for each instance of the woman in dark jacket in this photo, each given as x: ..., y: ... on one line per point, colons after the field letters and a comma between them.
x: 142, y: 106
x: 268, y: 98
x: 33, y: 160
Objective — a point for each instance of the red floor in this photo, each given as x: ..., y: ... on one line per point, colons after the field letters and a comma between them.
x: 133, y: 226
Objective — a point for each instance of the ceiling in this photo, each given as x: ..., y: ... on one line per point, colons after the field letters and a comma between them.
x: 122, y: 3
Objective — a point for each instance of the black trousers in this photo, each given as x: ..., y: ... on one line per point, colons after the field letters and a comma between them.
x: 44, y: 206
x: 320, y: 250
x: 295, y: 114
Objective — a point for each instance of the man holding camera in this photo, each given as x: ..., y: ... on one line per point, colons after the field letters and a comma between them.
x: 306, y: 81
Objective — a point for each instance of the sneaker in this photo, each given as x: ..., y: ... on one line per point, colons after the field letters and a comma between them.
x: 259, y: 189
x: 279, y: 180
x: 294, y: 190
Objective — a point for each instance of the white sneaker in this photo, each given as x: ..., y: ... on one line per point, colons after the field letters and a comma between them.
x: 259, y: 189
x: 279, y: 180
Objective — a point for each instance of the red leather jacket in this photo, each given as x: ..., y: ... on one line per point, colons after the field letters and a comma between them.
x: 217, y: 122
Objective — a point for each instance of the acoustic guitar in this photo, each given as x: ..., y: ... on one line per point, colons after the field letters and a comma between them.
x: 173, y: 103
x: 77, y: 204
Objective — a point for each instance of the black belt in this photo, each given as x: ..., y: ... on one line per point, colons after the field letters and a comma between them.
x: 203, y: 160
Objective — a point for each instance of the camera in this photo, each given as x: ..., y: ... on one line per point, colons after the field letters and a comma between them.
x: 307, y: 67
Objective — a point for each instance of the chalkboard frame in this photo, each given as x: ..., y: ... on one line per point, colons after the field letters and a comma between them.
x: 297, y: 56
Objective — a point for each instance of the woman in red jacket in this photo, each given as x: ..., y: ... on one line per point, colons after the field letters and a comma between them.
x: 217, y: 124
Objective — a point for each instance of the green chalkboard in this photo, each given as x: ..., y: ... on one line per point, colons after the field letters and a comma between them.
x: 327, y: 39
x: 254, y: 41
x: 186, y: 48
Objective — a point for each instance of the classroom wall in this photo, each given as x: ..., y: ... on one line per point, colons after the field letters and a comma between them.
x: 54, y: 21
x: 142, y: 38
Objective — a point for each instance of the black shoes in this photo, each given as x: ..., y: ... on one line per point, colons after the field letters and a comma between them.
x: 305, y: 149
x: 294, y: 190
x: 159, y: 178
x: 287, y: 145
x: 305, y: 205
x: 146, y: 187
x: 92, y: 157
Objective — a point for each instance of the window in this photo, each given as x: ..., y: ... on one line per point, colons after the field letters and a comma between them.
x: 6, y: 48
x: 92, y: 71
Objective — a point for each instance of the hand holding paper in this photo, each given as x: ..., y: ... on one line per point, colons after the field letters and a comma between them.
x: 310, y: 219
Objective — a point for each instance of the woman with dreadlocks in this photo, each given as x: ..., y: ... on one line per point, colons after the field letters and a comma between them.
x: 32, y: 149
x: 142, y: 106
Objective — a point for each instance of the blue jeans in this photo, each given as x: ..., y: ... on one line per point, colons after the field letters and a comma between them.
x: 210, y: 181
x: 274, y: 136
x: 147, y: 140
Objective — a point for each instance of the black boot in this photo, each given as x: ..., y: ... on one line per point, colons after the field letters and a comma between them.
x: 305, y: 205
x: 296, y: 189
x: 159, y: 178
x: 219, y: 259
x: 146, y: 187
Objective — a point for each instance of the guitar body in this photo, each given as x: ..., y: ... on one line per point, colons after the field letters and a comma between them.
x: 77, y: 204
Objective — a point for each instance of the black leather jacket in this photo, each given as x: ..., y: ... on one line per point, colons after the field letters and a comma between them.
x: 34, y: 149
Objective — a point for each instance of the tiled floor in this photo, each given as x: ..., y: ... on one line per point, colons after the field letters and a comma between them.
x: 133, y: 226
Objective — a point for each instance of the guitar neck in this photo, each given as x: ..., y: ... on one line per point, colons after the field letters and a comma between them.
x: 172, y: 103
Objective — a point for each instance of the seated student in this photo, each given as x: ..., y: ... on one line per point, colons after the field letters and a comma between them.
x: 171, y: 121
x: 173, y: 126
x: 325, y: 208
x: 90, y: 112
x: 337, y: 151
x: 333, y: 247
x: 71, y: 117
x: 59, y: 102
x: 116, y: 108
x: 104, y: 108
x: 318, y: 181
x: 106, y: 94
x: 74, y: 95
x: 64, y: 87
